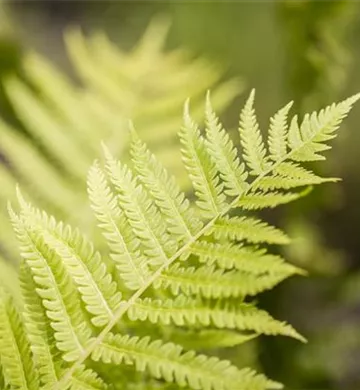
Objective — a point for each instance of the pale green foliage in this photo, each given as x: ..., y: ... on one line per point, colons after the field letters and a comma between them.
x: 123, y: 244
x: 176, y: 276
x: 215, y: 283
x: 166, y: 192
x: 16, y: 360
x: 250, y: 229
x: 147, y: 84
x: 201, y: 168
x: 45, y: 354
x: 232, y: 172
x: 254, y: 151
x: 169, y: 362
x: 278, y: 133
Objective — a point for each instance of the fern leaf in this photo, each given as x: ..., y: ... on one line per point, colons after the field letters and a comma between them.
x: 59, y: 295
x: 201, y: 169
x: 275, y: 182
x: 84, y: 264
x: 250, y: 229
x: 88, y: 69
x: 65, y: 100
x: 296, y: 171
x: 142, y: 214
x: 40, y: 334
x: 170, y: 363
x: 215, y: 283
x: 65, y: 267
x: 33, y: 171
x: 123, y: 243
x: 277, y: 133
x: 15, y: 354
x: 86, y: 379
x: 308, y: 140
x: 99, y: 63
x: 225, y: 155
x: 47, y: 129
x: 290, y: 175
x: 251, y: 139
x: 243, y: 258
x: 180, y: 218
x: 262, y: 200
x: 183, y: 311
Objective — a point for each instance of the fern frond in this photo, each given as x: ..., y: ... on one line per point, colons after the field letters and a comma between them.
x: 262, y: 200
x: 33, y: 170
x: 201, y: 169
x: 308, y: 141
x: 66, y: 101
x: 125, y: 246
x: 183, y: 311
x: 250, y: 229
x: 215, y: 283
x: 225, y: 155
x: 144, y: 219
x: 83, y: 263
x: 289, y: 175
x: 99, y: 62
x: 171, y: 363
x: 40, y: 333
x: 243, y: 258
x: 47, y: 129
x: 57, y: 291
x: 275, y: 182
x: 15, y: 354
x: 251, y: 139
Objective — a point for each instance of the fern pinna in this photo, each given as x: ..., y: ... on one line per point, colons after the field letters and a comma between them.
x: 175, y: 271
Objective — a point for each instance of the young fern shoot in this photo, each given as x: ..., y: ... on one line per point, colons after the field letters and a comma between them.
x: 171, y: 265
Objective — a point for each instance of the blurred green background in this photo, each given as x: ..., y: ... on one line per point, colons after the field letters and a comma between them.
x: 307, y: 51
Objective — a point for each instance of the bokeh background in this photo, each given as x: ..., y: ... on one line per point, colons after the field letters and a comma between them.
x: 306, y: 51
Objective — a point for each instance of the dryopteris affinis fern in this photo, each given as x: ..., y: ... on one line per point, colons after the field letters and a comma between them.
x: 147, y: 84
x: 187, y: 270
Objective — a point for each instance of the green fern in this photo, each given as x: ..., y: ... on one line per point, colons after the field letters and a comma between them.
x: 147, y: 84
x: 182, y: 269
